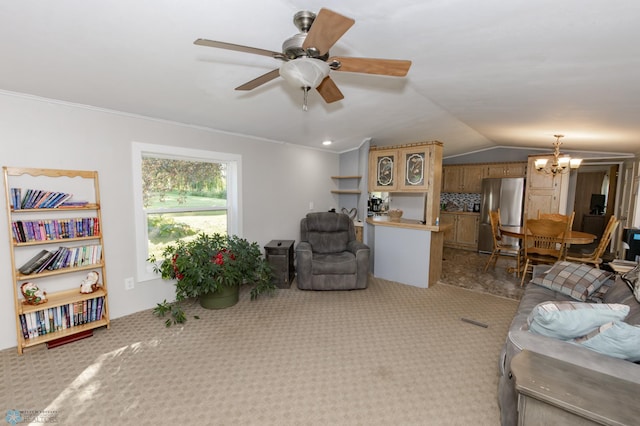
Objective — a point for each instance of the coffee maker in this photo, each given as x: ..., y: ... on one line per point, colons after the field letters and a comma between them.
x: 374, y: 204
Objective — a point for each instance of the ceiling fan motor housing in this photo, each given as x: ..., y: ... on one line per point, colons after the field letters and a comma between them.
x: 303, y: 20
x: 292, y: 47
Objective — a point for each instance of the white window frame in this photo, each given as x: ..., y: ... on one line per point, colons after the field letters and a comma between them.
x: 144, y: 269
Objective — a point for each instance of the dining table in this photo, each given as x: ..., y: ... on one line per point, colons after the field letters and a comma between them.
x: 573, y: 237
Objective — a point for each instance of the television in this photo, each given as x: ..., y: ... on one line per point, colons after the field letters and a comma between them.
x: 597, y: 204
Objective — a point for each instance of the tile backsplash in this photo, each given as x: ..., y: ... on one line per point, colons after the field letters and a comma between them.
x: 461, y: 200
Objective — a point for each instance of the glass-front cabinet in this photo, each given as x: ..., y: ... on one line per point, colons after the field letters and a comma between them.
x: 409, y: 168
x: 384, y: 165
x: 413, y: 171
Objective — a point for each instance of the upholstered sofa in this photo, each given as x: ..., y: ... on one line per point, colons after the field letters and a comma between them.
x: 521, y: 336
x: 328, y: 256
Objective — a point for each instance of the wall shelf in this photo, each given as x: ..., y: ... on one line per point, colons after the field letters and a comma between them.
x: 346, y: 191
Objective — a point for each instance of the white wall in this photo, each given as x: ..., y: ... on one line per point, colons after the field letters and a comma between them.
x: 279, y: 181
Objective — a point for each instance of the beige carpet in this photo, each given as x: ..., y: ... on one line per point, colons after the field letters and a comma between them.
x: 388, y: 355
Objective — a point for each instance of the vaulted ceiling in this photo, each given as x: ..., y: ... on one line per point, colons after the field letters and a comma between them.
x: 484, y: 74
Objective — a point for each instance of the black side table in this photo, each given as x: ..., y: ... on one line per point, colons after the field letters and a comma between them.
x: 279, y: 254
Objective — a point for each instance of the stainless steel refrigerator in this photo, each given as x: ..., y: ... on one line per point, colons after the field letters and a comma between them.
x: 507, y: 194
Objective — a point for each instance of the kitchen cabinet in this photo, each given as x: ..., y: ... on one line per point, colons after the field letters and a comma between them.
x: 463, y: 230
x: 496, y: 170
x: 414, y: 168
x: 359, y: 228
x: 467, y: 178
x: 544, y: 191
x: 409, y: 168
x: 383, y: 165
x: 464, y: 178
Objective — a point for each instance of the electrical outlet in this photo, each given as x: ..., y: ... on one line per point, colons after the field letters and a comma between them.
x: 128, y: 283
x: 310, y: 205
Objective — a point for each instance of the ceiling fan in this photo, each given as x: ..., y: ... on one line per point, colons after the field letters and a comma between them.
x: 306, y: 56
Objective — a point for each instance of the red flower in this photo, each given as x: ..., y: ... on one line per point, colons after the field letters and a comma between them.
x: 177, y: 273
x: 218, y: 259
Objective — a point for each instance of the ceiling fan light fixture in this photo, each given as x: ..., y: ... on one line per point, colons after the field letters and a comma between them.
x: 304, y: 72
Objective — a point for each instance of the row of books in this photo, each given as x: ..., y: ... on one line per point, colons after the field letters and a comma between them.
x: 64, y: 257
x: 54, y: 229
x: 37, y: 199
x: 58, y: 318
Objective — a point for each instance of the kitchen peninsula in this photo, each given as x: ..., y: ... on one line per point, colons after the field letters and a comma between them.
x: 407, y: 250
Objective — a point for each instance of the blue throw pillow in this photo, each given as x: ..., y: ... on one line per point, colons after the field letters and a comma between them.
x: 568, y: 320
x: 617, y: 339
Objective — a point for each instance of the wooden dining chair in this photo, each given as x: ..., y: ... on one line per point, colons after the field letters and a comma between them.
x: 568, y: 219
x: 595, y: 257
x: 500, y: 248
x: 559, y: 217
x: 544, y: 242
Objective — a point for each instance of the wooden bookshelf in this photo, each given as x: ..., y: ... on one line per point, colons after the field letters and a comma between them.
x: 68, y: 275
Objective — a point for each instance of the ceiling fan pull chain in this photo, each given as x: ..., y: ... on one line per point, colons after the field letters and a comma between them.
x: 305, y: 89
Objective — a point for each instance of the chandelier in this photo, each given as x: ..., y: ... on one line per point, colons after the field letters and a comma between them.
x: 561, y: 163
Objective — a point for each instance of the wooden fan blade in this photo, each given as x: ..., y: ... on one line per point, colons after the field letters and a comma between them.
x: 326, y: 29
x: 393, y: 67
x: 264, y: 78
x: 239, y: 48
x: 329, y: 91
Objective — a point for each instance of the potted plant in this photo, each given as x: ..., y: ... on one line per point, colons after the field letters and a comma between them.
x: 212, y: 268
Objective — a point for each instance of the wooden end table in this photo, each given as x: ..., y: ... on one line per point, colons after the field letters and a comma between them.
x: 279, y: 254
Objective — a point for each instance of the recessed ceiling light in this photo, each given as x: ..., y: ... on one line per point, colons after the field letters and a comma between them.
x: 326, y: 143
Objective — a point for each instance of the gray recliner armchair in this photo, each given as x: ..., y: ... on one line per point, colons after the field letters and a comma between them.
x: 328, y: 256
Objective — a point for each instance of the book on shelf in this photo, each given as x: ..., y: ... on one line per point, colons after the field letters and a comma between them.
x: 39, y: 195
x: 54, y: 229
x: 57, y: 200
x: 34, y: 197
x: 58, y: 318
x: 70, y: 203
x: 49, y: 262
x: 28, y: 196
x: 63, y: 257
x: 23, y: 327
x: 16, y: 198
x: 42, y: 198
x: 35, y: 262
x: 21, y: 236
x: 38, y: 199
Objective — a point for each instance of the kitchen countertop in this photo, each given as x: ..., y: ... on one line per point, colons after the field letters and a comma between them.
x: 459, y: 212
x: 405, y: 223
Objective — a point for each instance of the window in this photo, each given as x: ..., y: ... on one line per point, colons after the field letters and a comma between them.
x: 180, y: 193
